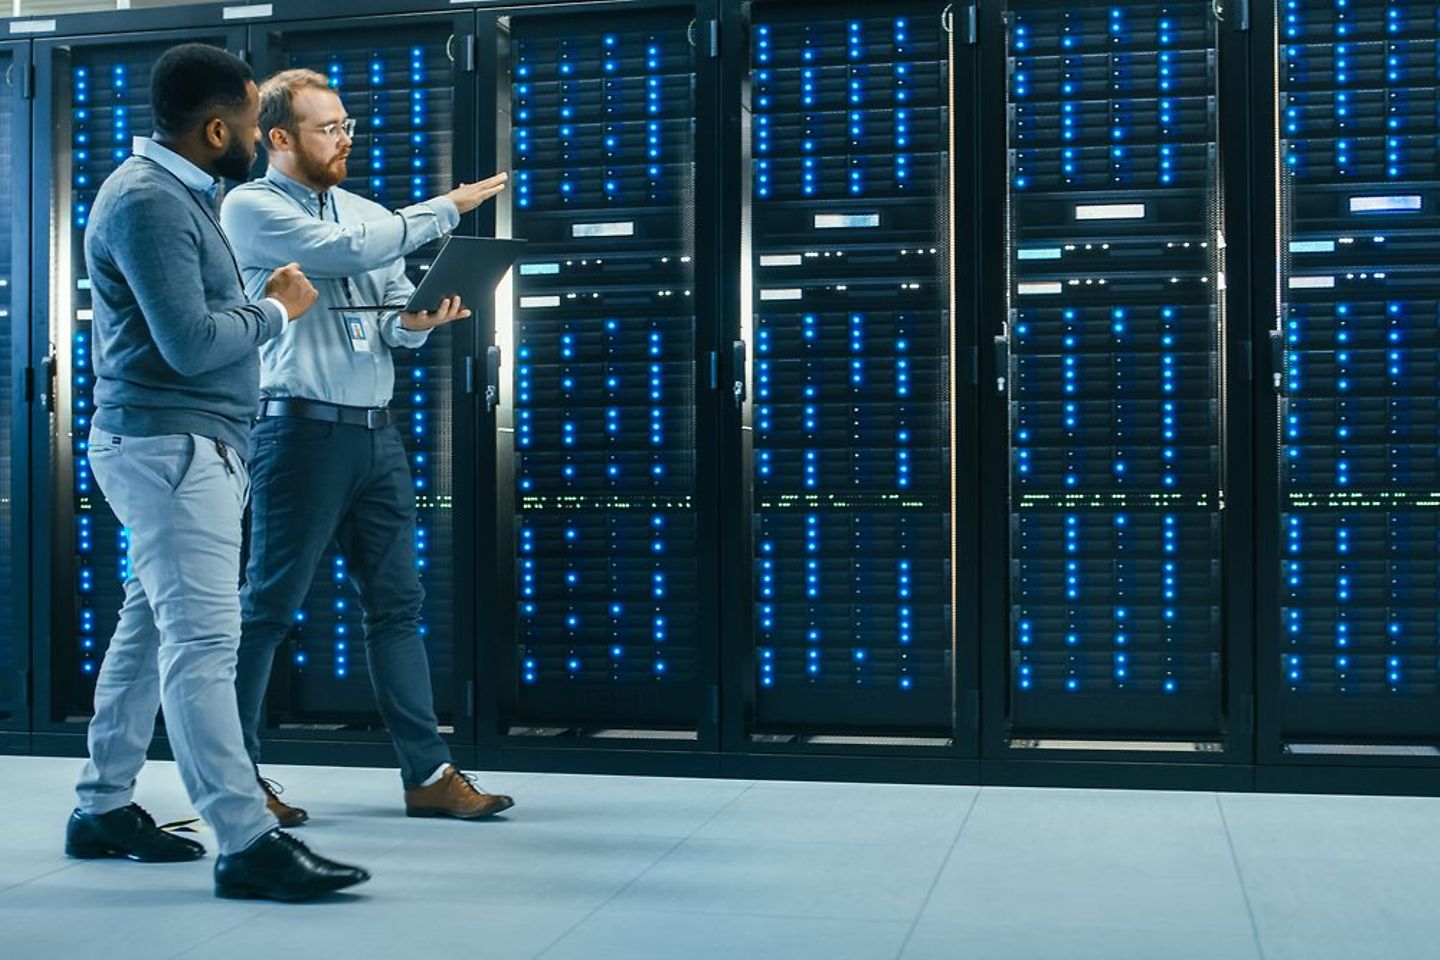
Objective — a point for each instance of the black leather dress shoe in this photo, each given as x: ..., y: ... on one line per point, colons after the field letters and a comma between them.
x: 129, y: 833
x: 279, y: 867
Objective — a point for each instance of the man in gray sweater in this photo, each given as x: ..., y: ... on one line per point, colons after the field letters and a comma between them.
x: 177, y: 376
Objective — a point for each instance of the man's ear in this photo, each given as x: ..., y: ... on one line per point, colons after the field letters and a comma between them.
x: 215, y: 130
x: 279, y: 139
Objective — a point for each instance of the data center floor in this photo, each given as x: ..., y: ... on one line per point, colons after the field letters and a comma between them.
x: 634, y: 868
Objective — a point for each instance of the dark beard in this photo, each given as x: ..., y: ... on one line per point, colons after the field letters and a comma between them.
x: 236, y: 162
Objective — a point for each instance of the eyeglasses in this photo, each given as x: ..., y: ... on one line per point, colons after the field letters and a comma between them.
x: 333, y: 130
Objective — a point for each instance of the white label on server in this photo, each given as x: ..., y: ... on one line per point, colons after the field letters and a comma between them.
x: 86, y: 315
x: 781, y: 260
x: 33, y: 26
x: 1110, y: 211
x: 844, y: 221
x: 786, y: 293
x: 251, y: 12
x: 1312, y: 283
x: 539, y: 269
x: 621, y: 228
x: 1385, y: 204
x: 1312, y: 246
x: 527, y: 303
x: 1025, y: 289
x: 1038, y: 253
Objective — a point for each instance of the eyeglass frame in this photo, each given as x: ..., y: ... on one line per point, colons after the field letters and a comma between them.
x: 334, y: 128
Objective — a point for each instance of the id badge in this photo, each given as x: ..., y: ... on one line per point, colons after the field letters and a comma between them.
x: 355, y: 330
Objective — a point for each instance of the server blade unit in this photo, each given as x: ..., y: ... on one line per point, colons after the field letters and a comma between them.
x: 1360, y: 337
x: 599, y: 433
x: 1115, y: 396
x: 851, y: 469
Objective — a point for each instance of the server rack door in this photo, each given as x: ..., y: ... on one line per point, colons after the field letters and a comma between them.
x: 1352, y: 661
x: 92, y: 98
x: 1110, y: 363
x: 847, y: 316
x: 14, y: 360
x: 604, y: 617
x: 404, y: 81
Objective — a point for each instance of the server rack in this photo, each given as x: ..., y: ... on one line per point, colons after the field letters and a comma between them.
x: 1120, y: 617
x: 92, y: 98
x: 843, y: 387
x: 14, y: 362
x: 1348, y: 664
x: 408, y: 82
x: 605, y: 603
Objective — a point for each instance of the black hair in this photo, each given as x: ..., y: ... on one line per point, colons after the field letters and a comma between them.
x: 190, y: 82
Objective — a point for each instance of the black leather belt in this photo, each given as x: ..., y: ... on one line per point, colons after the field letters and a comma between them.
x: 371, y: 418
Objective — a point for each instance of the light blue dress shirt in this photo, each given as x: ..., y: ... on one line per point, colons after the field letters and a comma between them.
x: 353, y: 254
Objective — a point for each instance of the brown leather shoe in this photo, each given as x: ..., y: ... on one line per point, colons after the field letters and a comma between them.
x: 287, y: 815
x: 454, y: 795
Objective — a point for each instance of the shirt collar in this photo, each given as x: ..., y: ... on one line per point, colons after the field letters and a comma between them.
x: 295, y: 188
x: 185, y: 171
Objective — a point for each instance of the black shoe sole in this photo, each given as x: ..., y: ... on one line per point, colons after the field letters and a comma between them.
x: 250, y: 893
x: 95, y: 852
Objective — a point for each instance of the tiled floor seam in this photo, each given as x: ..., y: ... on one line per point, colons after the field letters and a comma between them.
x: 924, y: 904
x: 1240, y: 879
x: 653, y: 864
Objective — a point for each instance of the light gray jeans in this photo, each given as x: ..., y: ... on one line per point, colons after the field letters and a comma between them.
x: 179, y: 629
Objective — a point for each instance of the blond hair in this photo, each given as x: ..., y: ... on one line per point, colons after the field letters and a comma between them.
x: 277, y: 97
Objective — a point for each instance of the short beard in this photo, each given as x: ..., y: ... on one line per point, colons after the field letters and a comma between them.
x: 318, y: 171
x: 237, y: 162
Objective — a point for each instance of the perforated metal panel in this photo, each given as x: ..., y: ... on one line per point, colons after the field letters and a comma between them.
x: 1115, y: 389
x: 852, y: 339
x: 605, y: 547
x: 1360, y: 415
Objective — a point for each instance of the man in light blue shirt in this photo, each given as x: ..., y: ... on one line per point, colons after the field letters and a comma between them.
x: 329, y: 463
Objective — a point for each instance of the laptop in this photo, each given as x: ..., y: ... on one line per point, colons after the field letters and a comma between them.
x: 468, y: 266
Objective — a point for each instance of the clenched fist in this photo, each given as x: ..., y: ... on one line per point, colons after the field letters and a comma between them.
x: 293, y: 289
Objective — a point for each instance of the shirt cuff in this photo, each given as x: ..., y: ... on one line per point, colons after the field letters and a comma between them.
x: 406, y: 339
x: 284, y: 314
x: 446, y: 213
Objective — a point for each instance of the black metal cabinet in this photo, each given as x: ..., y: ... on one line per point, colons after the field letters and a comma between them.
x: 604, y: 605
x: 844, y: 379
x: 1349, y: 625
x: 92, y: 99
x: 14, y: 363
x: 1119, y: 621
x: 408, y: 81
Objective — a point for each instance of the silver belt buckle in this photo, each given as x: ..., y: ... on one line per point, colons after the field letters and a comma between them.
x: 375, y: 419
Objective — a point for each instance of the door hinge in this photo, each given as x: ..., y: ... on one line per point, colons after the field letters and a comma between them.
x: 29, y: 384
x: 972, y: 25
x: 27, y: 82
x: 469, y: 698
x: 472, y: 53
x: 469, y: 375
x: 714, y: 28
